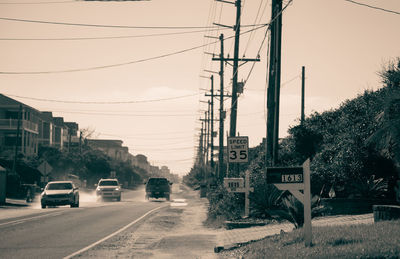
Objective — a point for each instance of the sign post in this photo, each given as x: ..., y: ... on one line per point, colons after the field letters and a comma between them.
x: 240, y: 185
x: 295, y: 179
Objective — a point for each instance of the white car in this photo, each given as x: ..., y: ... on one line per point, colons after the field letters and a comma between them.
x: 108, y: 189
x: 60, y: 193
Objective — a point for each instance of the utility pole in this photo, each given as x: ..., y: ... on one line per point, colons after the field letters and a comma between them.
x: 212, y: 122
x: 208, y: 130
x: 206, y: 122
x: 303, y: 72
x: 273, y: 93
x: 221, y: 112
x: 235, y: 59
x: 234, y: 104
x: 201, y: 153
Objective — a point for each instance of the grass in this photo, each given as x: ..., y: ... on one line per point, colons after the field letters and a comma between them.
x: 379, y: 240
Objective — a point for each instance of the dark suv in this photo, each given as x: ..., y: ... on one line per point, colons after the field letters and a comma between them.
x: 158, y: 187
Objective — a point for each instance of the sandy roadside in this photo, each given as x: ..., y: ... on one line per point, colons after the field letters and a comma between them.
x: 176, y: 231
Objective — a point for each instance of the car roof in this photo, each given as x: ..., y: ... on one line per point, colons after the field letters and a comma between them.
x: 60, y: 182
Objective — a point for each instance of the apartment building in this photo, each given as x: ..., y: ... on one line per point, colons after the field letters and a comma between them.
x: 16, y: 115
x: 36, y: 129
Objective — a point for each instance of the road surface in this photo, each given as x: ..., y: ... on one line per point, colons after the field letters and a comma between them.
x: 61, y: 231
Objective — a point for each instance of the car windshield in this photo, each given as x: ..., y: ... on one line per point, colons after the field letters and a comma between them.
x: 59, y: 186
x: 108, y: 183
x: 158, y: 181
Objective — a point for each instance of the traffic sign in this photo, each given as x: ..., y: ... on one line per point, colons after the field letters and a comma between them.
x: 238, y: 149
x: 44, y: 168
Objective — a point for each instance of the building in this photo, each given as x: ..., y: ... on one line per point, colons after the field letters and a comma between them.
x: 36, y: 129
x: 112, y: 147
x: 15, y: 115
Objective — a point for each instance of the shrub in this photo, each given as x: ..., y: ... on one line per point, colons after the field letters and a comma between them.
x: 224, y: 205
x: 294, y: 212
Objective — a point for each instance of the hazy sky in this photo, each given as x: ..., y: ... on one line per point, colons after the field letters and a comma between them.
x: 48, y: 53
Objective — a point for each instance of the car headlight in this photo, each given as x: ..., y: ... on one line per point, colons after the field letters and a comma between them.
x: 117, y: 189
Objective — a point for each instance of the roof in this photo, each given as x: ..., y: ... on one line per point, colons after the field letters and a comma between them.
x: 60, y: 182
x: 105, y: 142
x: 6, y: 101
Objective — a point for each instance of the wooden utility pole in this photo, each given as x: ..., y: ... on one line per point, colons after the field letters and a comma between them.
x: 221, y: 112
x: 234, y: 103
x: 211, y: 113
x: 274, y: 81
x: 303, y: 72
x: 212, y: 122
x: 208, y: 131
x: 201, y: 148
x: 235, y: 65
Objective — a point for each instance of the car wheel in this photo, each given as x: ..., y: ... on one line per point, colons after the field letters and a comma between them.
x: 167, y: 198
x: 119, y: 198
x: 43, y: 206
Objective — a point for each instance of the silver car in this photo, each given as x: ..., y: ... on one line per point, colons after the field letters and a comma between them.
x: 108, y: 189
x: 60, y: 193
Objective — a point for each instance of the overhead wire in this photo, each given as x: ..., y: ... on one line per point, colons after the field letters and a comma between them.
x: 43, y: 2
x: 129, y: 114
x: 110, y: 26
x: 110, y: 37
x: 108, y: 102
x: 373, y: 7
x: 119, y: 64
x: 258, y: 18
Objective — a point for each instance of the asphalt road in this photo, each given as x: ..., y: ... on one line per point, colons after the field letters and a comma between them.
x: 61, y: 231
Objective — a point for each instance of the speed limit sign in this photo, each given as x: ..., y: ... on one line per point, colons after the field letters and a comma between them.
x: 238, y: 149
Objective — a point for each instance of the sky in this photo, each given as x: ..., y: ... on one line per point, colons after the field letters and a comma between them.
x: 138, y: 70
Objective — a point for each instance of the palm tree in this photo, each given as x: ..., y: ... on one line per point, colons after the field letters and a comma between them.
x: 387, y: 137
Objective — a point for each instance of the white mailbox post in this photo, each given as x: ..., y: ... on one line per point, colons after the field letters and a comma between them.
x: 240, y: 185
x: 294, y: 179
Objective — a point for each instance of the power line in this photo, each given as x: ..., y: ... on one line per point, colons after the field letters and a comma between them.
x: 109, y: 37
x: 119, y: 64
x: 47, y: 2
x: 373, y: 7
x: 104, y: 25
x: 130, y: 115
x: 114, y: 102
x: 111, y: 26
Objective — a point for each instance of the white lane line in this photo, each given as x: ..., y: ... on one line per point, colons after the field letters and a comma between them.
x: 111, y: 235
x: 31, y: 218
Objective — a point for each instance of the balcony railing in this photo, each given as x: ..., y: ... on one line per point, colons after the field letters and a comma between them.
x: 12, y: 124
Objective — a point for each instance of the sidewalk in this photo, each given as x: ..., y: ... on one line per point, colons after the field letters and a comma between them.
x: 227, y: 239
x: 14, y: 203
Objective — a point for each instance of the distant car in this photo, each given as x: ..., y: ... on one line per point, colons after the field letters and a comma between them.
x: 60, y: 193
x: 158, y: 187
x: 108, y: 189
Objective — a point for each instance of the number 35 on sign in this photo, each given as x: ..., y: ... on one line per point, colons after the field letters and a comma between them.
x: 238, y: 149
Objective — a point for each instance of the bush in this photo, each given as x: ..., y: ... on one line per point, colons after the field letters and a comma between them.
x: 224, y: 205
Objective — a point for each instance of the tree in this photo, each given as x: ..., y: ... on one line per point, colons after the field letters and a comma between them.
x: 387, y: 137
